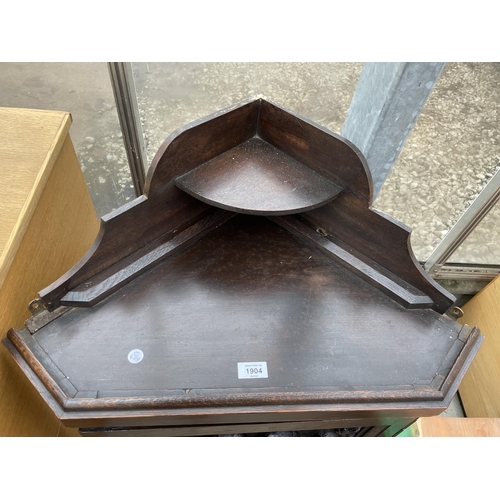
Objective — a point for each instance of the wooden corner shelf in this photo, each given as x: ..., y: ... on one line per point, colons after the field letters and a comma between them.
x: 257, y: 178
x: 254, y: 244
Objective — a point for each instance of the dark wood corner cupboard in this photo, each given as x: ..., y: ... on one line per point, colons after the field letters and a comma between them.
x: 251, y: 288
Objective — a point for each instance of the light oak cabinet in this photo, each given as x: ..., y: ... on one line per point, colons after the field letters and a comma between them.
x: 44, y: 205
x: 480, y: 389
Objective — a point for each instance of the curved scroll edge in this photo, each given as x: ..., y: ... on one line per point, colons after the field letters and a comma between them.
x: 59, y: 285
x: 425, y: 275
x: 353, y: 147
x: 176, y: 134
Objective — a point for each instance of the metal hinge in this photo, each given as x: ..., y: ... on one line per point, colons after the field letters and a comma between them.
x: 454, y: 312
x: 36, y: 306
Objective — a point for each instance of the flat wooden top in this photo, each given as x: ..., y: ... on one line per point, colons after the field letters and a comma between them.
x: 29, y: 143
x: 257, y: 178
x: 479, y: 390
x: 247, y: 292
x: 458, y: 427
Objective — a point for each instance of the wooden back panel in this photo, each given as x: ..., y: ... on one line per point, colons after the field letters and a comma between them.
x: 163, y: 208
x: 382, y: 239
x: 320, y: 149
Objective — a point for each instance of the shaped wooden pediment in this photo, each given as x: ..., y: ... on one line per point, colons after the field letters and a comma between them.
x: 261, y: 159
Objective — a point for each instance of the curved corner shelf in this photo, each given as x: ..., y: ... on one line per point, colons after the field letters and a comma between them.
x: 257, y: 178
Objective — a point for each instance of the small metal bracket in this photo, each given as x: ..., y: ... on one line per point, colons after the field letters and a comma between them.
x: 455, y: 312
x: 36, y: 306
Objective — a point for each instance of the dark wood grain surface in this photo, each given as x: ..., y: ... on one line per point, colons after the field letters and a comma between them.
x: 257, y: 178
x: 387, y: 412
x: 104, y: 284
x: 329, y: 154
x: 376, y: 275
x: 199, y: 142
x: 230, y: 299
x: 209, y: 415
x: 381, y: 239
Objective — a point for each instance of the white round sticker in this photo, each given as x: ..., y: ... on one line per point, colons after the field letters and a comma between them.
x: 135, y: 356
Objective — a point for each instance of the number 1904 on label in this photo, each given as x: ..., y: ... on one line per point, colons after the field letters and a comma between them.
x: 253, y: 369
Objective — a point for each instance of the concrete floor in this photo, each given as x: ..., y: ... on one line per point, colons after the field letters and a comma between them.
x: 455, y: 409
x: 452, y: 152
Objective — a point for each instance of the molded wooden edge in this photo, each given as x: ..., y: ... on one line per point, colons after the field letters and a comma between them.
x: 438, y: 400
x: 260, y: 399
x: 459, y: 369
x: 51, y: 378
x: 192, y: 416
x: 23, y: 347
x: 449, y: 360
x: 22, y: 337
x: 218, y: 414
x: 248, y: 414
x: 49, y: 399
x: 238, y: 210
x: 26, y: 213
x: 178, y: 416
x: 369, y: 274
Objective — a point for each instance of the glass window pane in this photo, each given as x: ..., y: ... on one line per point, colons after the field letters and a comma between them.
x: 449, y: 156
x: 171, y: 95
x: 83, y: 89
x: 482, y: 246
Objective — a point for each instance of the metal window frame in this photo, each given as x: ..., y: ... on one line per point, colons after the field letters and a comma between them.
x: 437, y: 265
x: 384, y: 109
x: 473, y: 215
x: 122, y: 82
